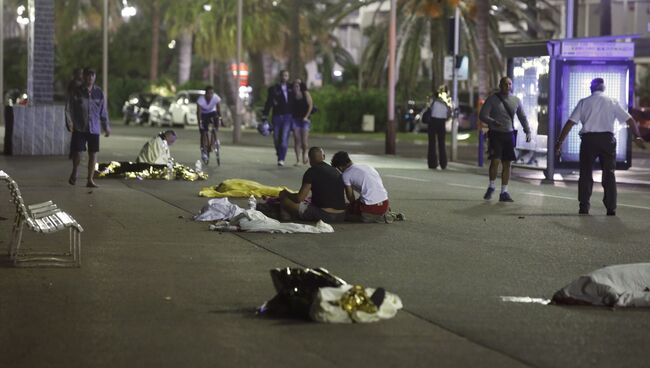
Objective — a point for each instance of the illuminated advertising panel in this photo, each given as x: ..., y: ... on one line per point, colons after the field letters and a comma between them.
x: 574, y: 85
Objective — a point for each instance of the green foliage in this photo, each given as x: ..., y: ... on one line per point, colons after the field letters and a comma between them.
x: 82, y: 48
x: 342, y: 110
x: 120, y: 89
x: 15, y: 64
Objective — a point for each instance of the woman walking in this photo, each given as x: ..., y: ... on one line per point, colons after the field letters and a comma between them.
x: 301, y: 108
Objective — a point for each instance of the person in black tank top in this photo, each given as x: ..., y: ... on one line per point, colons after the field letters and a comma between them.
x: 301, y: 107
x: 327, y: 192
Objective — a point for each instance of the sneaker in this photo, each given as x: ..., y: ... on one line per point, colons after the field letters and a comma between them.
x: 583, y: 211
x: 505, y: 197
x: 205, y: 158
x: 611, y: 212
x: 280, y: 163
x: 488, y: 193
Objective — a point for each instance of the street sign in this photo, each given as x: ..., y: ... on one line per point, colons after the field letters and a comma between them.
x: 462, y: 73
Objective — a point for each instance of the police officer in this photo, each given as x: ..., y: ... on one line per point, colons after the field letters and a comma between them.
x: 597, y: 114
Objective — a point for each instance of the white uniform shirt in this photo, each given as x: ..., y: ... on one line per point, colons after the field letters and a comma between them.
x: 439, y: 110
x: 208, y: 106
x: 597, y: 113
x: 366, y: 181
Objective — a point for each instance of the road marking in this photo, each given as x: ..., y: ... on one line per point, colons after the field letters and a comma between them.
x: 525, y: 299
x: 547, y: 195
x: 407, y: 178
x: 465, y: 186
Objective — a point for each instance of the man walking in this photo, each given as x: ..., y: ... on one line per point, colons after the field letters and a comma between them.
x: 499, y: 112
x: 597, y: 114
x: 279, y: 99
x: 86, y: 118
x: 439, y: 112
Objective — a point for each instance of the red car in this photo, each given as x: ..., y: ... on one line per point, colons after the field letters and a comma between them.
x: 642, y: 115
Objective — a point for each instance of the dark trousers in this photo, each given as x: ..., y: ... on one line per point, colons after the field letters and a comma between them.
x: 603, y: 147
x: 436, y: 131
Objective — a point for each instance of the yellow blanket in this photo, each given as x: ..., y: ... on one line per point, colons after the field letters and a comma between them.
x: 241, y: 188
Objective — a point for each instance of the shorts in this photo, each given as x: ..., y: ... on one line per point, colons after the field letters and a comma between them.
x: 80, y: 140
x: 375, y: 213
x: 301, y: 124
x: 501, y: 146
x: 309, y: 212
x: 207, y: 119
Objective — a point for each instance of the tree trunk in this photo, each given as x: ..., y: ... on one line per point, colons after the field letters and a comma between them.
x: 185, y: 57
x: 257, y: 74
x: 155, y: 39
x: 295, y: 64
x: 531, y: 11
x: 482, y: 29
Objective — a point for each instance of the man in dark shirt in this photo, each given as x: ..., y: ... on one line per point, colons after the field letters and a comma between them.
x: 326, y: 187
x: 279, y: 99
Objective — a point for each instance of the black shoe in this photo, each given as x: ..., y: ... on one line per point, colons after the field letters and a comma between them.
x: 611, y: 212
x: 583, y: 211
x: 378, y: 297
x: 505, y: 197
x: 488, y: 193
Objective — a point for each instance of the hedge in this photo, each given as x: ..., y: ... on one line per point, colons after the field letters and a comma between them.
x: 342, y: 110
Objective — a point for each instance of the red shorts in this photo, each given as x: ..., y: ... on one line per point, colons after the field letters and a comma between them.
x: 376, y: 209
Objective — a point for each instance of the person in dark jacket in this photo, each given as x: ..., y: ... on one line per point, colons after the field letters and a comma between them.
x: 279, y: 99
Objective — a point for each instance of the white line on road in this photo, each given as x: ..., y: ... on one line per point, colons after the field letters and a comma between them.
x: 407, y: 178
x: 465, y: 186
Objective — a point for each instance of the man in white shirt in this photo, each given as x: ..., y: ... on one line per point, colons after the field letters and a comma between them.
x: 209, y: 113
x: 156, y: 150
x: 372, y: 205
x: 597, y: 113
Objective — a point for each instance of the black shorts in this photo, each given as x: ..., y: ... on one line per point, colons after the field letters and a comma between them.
x: 501, y: 146
x: 81, y: 139
x: 207, y: 119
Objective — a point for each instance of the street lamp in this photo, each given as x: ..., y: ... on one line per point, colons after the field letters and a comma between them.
x: 128, y: 10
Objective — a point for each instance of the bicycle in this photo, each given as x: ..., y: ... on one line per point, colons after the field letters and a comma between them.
x: 213, y: 141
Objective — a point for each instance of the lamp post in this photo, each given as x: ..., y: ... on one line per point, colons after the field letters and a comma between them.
x: 390, y: 126
x: 105, y: 51
x: 454, y: 121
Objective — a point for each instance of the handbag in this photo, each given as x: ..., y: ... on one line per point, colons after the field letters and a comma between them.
x: 512, y: 119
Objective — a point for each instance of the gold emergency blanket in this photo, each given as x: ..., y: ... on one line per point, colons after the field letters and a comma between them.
x: 356, y: 299
x: 131, y: 170
x: 241, y: 188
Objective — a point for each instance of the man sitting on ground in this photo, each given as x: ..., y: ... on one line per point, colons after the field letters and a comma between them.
x: 324, y: 183
x: 156, y: 150
x: 372, y: 204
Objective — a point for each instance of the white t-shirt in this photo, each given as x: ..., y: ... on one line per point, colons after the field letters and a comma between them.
x: 597, y: 113
x: 366, y: 181
x: 208, y: 106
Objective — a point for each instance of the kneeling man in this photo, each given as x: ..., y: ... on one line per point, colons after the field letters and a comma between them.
x: 156, y: 150
x: 324, y: 183
x: 372, y: 205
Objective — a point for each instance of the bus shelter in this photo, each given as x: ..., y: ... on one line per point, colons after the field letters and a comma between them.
x: 550, y: 78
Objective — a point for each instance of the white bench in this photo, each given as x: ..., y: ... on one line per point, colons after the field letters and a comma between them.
x: 44, y: 218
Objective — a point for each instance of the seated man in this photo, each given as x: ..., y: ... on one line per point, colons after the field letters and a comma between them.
x: 324, y: 183
x: 372, y: 205
x: 156, y: 150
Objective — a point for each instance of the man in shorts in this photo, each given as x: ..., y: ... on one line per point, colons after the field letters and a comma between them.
x: 86, y: 118
x: 372, y: 204
x: 324, y: 183
x: 209, y: 113
x: 498, y: 113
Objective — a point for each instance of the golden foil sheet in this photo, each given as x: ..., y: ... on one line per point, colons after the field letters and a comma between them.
x: 157, y: 172
x: 355, y: 300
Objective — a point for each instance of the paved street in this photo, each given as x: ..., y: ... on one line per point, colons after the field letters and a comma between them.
x: 158, y: 290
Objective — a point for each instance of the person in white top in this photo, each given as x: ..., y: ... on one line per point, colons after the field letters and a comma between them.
x: 372, y: 205
x: 436, y: 117
x: 597, y: 113
x: 209, y: 114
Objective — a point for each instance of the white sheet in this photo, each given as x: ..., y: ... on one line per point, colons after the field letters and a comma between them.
x: 218, y: 209
x: 625, y: 285
x: 256, y: 221
x: 325, y: 307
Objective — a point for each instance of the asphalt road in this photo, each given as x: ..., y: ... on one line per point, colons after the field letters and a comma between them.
x: 157, y: 289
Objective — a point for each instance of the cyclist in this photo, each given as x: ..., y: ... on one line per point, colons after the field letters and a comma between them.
x: 209, y: 116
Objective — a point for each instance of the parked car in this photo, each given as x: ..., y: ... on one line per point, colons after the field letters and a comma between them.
x: 136, y: 108
x: 183, y: 107
x: 159, y: 114
x: 466, y: 119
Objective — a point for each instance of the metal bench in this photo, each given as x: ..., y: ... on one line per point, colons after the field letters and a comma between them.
x: 44, y: 218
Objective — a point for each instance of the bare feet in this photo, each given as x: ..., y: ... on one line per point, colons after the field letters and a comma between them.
x: 72, y: 180
x: 305, y: 161
x: 91, y: 184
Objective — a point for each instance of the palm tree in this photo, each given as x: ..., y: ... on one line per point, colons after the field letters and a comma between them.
x: 183, y: 15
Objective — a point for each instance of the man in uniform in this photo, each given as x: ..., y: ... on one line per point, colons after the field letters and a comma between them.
x: 597, y: 114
